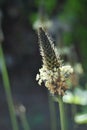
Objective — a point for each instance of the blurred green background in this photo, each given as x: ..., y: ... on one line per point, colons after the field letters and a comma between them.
x: 20, y: 46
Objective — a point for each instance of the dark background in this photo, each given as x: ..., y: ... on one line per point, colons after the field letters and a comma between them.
x: 23, y: 59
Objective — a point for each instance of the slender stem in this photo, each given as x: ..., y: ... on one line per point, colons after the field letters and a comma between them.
x: 62, y: 114
x: 52, y: 113
x: 24, y: 121
x: 7, y: 90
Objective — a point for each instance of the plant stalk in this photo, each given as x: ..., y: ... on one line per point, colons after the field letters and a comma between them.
x: 62, y: 114
x: 6, y: 84
x: 24, y: 121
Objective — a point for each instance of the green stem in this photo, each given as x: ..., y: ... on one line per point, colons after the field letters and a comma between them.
x: 24, y: 121
x: 62, y: 114
x: 7, y: 90
x: 52, y: 113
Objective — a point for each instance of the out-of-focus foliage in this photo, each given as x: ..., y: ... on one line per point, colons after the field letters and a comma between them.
x: 78, y: 97
x: 81, y: 118
x: 49, y: 4
x: 33, y: 17
x: 75, y: 13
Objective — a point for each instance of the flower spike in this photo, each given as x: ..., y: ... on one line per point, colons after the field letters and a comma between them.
x: 53, y: 73
x: 49, y: 55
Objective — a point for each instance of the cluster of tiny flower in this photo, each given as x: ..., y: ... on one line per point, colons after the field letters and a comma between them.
x: 55, y: 79
x: 65, y: 71
x: 47, y: 75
